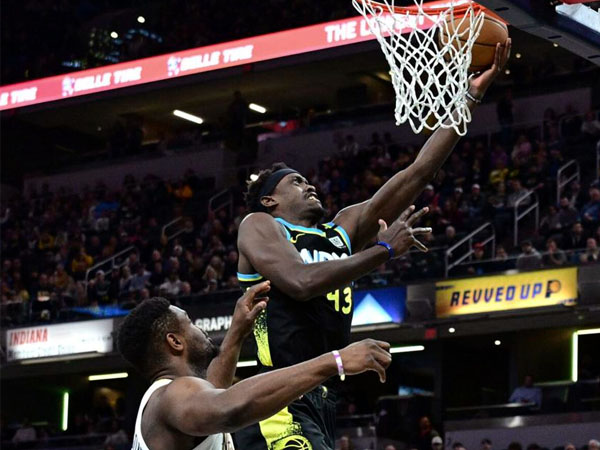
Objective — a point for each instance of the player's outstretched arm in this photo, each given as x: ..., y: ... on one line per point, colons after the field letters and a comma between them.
x: 261, y: 241
x: 360, y: 221
x: 194, y: 407
x: 221, y: 370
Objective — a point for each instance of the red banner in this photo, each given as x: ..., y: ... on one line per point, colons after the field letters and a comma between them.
x: 213, y: 57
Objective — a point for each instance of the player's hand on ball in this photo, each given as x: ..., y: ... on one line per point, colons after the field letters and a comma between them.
x: 366, y: 355
x: 248, y: 307
x: 480, y: 84
x: 401, y: 235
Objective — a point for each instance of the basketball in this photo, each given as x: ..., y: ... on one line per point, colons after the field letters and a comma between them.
x: 484, y: 48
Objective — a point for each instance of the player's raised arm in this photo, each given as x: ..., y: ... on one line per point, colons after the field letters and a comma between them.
x: 221, y: 370
x: 194, y: 407
x: 263, y: 245
x: 361, y: 221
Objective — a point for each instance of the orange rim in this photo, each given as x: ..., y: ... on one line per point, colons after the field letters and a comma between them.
x: 431, y: 8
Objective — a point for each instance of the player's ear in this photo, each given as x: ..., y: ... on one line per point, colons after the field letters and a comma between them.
x: 268, y: 202
x: 175, y: 342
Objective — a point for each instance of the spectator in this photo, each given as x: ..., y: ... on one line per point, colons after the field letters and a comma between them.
x: 390, y: 447
x: 140, y: 280
x: 594, y: 444
x: 475, y: 203
x: 172, y: 286
x: 99, y: 289
x: 437, y: 443
x: 125, y: 281
x: 458, y: 446
x: 527, y: 393
x: 567, y: 214
x: 346, y: 443
x: 592, y: 252
x: 25, y: 433
x: 501, y: 261
x: 590, y: 213
x: 554, y: 257
x: 550, y: 223
x: 529, y: 259
x: 117, y: 435
x: 477, y: 265
x: 575, y: 238
x: 425, y: 434
x: 486, y: 444
x: 351, y: 147
x: 157, y: 277
x: 80, y: 264
x: 518, y: 192
x: 515, y: 446
x: 591, y: 127
x: 570, y: 446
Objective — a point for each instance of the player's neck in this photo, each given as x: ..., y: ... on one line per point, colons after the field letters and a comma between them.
x: 174, y: 371
x: 295, y: 220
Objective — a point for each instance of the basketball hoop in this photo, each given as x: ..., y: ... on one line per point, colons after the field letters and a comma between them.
x: 430, y: 76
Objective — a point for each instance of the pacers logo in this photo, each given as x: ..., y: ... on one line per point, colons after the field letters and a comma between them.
x: 296, y: 442
x: 552, y: 287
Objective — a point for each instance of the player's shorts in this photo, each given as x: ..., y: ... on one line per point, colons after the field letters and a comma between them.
x: 306, y: 424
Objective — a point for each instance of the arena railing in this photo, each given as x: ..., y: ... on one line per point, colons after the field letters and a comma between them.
x: 563, y: 180
x: 491, y: 239
x: 169, y: 226
x: 518, y: 216
x: 112, y: 261
x: 221, y: 200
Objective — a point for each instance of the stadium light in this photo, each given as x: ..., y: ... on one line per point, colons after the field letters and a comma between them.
x: 114, y: 35
x: 575, y: 350
x: 141, y: 19
x: 451, y: 330
x: 65, y: 411
x: 518, y: 56
x: 252, y: 363
x: 108, y: 376
x: 497, y: 342
x: 257, y: 108
x: 407, y: 349
x: 253, y: 177
x: 188, y: 116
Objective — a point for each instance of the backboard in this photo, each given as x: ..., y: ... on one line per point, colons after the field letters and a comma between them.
x: 572, y: 24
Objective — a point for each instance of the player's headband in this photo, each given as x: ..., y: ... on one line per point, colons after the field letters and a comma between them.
x: 274, y: 180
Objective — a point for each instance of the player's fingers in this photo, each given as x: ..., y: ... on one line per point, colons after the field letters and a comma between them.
x: 425, y: 230
x: 255, y: 291
x: 384, y: 345
x: 375, y: 366
x: 382, y: 225
x: 384, y: 358
x: 407, y: 212
x: 420, y: 246
x: 260, y: 306
x: 383, y: 355
x: 416, y: 216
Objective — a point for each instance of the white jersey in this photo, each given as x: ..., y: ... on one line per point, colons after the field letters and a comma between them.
x: 213, y: 442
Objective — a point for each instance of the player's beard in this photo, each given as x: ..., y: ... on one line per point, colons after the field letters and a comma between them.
x: 200, y: 356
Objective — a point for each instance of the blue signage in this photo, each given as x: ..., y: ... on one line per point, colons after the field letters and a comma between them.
x: 379, y: 306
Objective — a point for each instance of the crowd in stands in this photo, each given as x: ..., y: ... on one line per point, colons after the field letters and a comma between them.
x: 42, y: 38
x: 51, y: 239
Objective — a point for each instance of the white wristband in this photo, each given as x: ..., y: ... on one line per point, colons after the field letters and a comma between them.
x: 340, y: 364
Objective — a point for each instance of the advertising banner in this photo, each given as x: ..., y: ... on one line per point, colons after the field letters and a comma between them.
x: 506, y: 292
x: 213, y: 57
x: 60, y: 340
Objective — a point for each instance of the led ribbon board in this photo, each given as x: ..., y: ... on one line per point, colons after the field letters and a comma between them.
x: 203, y: 59
x: 506, y: 292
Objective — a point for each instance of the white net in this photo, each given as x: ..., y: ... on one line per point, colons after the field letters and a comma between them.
x: 430, y: 76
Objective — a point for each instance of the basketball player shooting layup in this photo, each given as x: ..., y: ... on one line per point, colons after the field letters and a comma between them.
x: 311, y: 267
x: 189, y: 405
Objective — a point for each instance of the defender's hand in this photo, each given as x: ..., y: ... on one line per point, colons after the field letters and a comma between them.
x: 479, y: 85
x: 401, y: 235
x: 248, y: 307
x: 365, y: 355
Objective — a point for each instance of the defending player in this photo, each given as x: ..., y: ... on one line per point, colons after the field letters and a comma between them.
x: 312, y: 266
x: 188, y: 405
